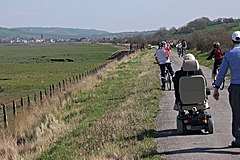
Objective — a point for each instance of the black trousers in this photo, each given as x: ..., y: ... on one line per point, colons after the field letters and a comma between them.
x: 234, y: 100
x: 163, y: 68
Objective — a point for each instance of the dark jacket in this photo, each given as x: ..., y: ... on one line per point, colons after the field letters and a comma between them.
x: 178, y: 75
x: 216, y: 54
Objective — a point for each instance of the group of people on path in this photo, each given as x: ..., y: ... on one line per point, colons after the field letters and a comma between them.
x: 223, y: 62
x: 162, y: 57
x: 181, y: 47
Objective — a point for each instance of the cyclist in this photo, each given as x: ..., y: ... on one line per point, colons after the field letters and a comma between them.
x: 179, y: 48
x: 184, y: 47
x: 162, y: 57
x: 169, y: 48
x: 217, y: 55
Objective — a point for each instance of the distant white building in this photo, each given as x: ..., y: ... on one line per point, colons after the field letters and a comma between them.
x: 39, y: 40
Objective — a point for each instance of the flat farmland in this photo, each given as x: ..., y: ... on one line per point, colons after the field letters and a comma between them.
x: 25, y: 69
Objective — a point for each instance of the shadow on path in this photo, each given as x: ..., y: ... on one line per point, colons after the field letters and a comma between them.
x: 220, y: 150
x: 164, y: 133
x: 173, y: 132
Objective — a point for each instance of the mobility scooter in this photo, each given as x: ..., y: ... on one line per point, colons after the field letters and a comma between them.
x: 193, y: 102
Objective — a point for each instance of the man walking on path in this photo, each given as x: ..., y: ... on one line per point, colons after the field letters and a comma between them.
x: 231, y: 60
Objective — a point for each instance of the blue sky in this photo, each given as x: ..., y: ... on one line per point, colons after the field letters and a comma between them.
x: 113, y: 15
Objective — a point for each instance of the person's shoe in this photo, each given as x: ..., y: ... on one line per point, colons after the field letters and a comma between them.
x: 163, y: 87
x: 235, y: 144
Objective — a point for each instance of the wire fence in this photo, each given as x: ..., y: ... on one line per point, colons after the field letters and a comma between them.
x: 10, y: 110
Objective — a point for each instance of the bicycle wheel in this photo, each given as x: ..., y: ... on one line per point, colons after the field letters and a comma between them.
x: 222, y: 85
x: 179, y: 53
x: 168, y: 81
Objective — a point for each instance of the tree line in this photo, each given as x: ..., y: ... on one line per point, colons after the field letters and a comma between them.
x: 199, y: 33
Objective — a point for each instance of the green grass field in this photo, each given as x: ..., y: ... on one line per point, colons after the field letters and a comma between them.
x: 26, y: 69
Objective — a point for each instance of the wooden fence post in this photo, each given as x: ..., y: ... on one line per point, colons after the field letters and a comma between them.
x: 29, y: 102
x: 59, y: 86
x: 83, y: 75
x: 80, y: 77
x: 14, y: 108
x: 74, y: 81
x: 77, y: 78
x: 50, y: 91
x: 35, y: 98
x: 64, y: 85
x: 5, y: 116
x: 53, y: 89
x: 22, y: 102
x: 45, y: 92
x: 41, y: 98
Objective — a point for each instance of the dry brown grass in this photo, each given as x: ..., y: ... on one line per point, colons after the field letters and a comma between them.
x: 34, y: 127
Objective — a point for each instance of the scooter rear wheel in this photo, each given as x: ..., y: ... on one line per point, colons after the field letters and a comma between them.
x: 180, y: 126
x: 210, y: 127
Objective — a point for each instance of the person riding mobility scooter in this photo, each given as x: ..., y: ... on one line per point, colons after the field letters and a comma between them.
x: 193, y: 101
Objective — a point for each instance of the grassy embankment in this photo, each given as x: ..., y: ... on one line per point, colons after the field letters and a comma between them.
x: 115, y: 119
x: 26, y: 69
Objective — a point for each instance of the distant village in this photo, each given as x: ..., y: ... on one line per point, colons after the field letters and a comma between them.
x: 15, y: 40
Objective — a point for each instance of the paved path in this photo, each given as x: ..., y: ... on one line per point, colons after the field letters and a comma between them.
x: 196, y: 146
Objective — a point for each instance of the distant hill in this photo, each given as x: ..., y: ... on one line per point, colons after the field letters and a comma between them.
x: 57, y: 32
x: 5, y: 32
x: 51, y: 32
x: 136, y: 33
x: 202, y: 23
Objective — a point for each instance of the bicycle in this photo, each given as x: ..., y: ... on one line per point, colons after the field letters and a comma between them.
x: 179, y: 51
x: 223, y: 83
x: 168, y: 80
